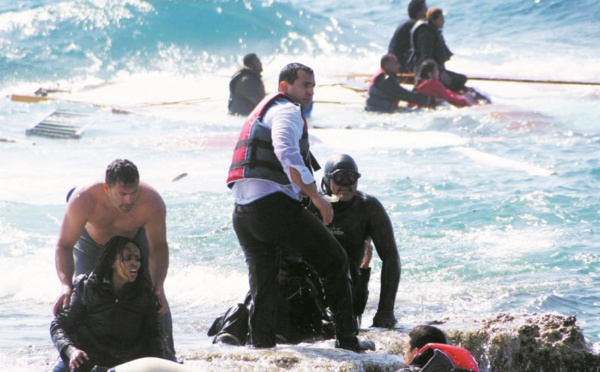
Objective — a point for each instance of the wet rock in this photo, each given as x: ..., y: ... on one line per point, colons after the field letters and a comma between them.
x: 533, y: 342
x: 504, y: 343
x: 303, y: 357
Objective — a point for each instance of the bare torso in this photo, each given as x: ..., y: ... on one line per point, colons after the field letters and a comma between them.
x: 103, y: 220
x: 106, y: 212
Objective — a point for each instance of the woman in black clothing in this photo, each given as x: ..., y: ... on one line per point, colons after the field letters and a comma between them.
x: 112, y: 317
x: 429, y: 43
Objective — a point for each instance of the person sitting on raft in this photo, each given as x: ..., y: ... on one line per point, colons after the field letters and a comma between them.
x: 428, y: 43
x: 385, y: 91
x: 112, y: 317
x: 430, y: 84
x: 400, y: 43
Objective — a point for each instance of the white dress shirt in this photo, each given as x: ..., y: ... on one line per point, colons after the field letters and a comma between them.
x: 285, y: 121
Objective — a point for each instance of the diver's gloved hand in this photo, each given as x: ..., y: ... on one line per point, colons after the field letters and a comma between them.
x: 384, y: 319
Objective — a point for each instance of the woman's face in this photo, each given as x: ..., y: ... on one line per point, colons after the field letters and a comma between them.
x: 439, y: 22
x: 127, y: 265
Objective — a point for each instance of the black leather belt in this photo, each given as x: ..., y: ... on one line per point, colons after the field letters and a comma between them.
x: 244, y: 208
x: 256, y: 205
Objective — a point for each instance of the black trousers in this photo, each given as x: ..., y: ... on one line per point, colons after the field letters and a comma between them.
x: 263, y: 228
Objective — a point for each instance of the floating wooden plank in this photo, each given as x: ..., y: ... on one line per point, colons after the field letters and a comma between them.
x: 62, y: 124
x: 534, y: 81
x: 37, y: 99
x: 29, y: 99
x: 408, y: 78
x: 116, y: 110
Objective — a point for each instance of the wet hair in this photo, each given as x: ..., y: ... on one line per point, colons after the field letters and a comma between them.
x: 422, y: 335
x: 111, y: 250
x: 388, y: 57
x: 433, y: 14
x: 121, y: 171
x: 427, y: 67
x: 249, y: 59
x: 414, y: 7
x: 289, y: 73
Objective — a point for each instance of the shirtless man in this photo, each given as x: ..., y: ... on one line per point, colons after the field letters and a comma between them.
x: 121, y: 205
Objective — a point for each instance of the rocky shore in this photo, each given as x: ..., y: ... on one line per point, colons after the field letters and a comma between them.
x: 504, y: 343
x: 535, y: 342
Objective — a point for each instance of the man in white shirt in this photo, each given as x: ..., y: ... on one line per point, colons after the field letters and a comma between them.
x: 271, y: 173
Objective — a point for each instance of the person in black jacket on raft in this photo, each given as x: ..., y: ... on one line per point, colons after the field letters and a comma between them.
x: 358, y: 219
x: 385, y: 91
x: 400, y: 43
x: 428, y: 42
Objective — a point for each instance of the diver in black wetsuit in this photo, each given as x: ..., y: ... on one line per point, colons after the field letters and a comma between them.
x: 358, y: 219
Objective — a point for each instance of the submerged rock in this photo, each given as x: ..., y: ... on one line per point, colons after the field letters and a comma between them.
x: 505, y: 343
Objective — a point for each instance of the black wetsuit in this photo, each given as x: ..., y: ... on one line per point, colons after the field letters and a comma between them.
x: 355, y: 221
x: 386, y: 92
x: 400, y: 45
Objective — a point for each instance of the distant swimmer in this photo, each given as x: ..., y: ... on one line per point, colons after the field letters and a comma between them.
x: 400, y: 42
x: 246, y: 88
x: 385, y: 91
x: 430, y: 85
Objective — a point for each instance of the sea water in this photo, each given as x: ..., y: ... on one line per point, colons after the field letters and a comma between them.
x: 495, y: 208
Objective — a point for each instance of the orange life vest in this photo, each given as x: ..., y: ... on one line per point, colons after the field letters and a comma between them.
x: 460, y: 357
